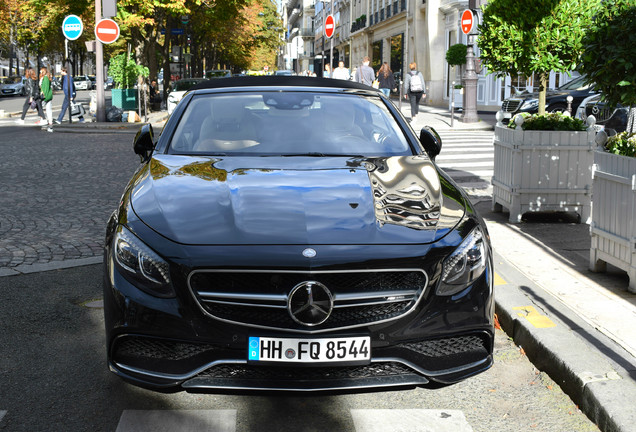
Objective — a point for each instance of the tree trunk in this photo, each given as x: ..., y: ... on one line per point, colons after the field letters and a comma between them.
x: 543, y: 84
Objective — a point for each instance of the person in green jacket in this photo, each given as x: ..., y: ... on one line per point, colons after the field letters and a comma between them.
x: 47, y: 96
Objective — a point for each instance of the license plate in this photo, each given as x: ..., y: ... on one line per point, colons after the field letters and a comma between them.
x: 322, y: 350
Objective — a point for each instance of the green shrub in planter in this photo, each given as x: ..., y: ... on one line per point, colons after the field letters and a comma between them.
x: 622, y: 144
x: 549, y: 122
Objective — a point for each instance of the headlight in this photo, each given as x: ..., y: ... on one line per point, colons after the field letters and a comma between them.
x: 530, y: 104
x: 464, y: 265
x: 148, y: 270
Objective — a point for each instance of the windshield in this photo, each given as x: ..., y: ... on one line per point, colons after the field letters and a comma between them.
x: 183, y: 85
x: 288, y: 123
x: 218, y: 73
x: 576, y: 84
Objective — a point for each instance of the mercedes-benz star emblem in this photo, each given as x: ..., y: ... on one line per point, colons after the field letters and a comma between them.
x: 309, y: 253
x: 310, y: 303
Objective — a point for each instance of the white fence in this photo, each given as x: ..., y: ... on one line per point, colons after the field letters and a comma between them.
x: 613, y: 227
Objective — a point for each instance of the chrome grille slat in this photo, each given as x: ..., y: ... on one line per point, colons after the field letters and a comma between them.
x: 259, y: 298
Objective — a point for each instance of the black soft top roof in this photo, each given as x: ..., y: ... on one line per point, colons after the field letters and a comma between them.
x: 280, y: 81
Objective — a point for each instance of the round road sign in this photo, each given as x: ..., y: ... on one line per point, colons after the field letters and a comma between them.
x: 330, y: 26
x: 107, y: 31
x: 72, y: 27
x: 468, y: 21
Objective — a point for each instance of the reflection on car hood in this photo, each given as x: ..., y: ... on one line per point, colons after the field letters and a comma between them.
x: 295, y: 200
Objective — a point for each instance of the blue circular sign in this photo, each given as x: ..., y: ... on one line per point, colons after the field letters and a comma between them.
x: 72, y: 27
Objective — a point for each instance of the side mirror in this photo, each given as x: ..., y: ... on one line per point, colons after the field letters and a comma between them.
x: 144, y: 143
x: 431, y: 141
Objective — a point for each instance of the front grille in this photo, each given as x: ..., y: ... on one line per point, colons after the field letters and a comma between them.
x: 446, y: 347
x: 157, y: 349
x: 278, y: 373
x: 600, y: 112
x: 259, y: 298
x: 510, y: 105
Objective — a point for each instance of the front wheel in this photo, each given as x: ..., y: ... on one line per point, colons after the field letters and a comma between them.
x: 558, y: 108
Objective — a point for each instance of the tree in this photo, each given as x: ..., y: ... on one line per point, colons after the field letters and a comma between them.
x: 608, y: 59
x: 518, y: 37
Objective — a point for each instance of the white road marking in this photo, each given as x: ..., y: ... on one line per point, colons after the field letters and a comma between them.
x: 409, y: 420
x: 2, y: 414
x: 181, y: 420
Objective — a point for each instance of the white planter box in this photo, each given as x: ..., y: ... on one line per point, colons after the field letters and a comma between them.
x: 538, y: 171
x: 613, y: 227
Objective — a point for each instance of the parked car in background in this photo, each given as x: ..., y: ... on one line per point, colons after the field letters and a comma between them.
x: 82, y: 82
x: 108, y: 83
x: 93, y: 80
x: 218, y: 73
x: 284, y: 72
x: 555, y: 100
x: 179, y: 88
x: 612, y: 120
x: 294, y: 234
x: 56, y: 83
x: 13, y: 86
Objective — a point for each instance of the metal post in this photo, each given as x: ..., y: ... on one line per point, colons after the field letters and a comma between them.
x: 69, y: 87
x: 322, y: 56
x: 100, y: 114
x: 470, y: 86
x: 453, y: 105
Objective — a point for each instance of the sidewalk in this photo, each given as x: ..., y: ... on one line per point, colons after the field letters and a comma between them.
x: 578, y: 326
x: 441, y: 120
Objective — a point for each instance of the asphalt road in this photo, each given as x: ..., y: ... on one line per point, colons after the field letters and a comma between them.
x: 57, y: 192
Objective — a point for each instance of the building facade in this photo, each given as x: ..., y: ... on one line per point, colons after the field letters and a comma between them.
x: 397, y: 32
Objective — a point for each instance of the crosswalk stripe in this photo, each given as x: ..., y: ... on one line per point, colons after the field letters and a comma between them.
x: 466, y: 155
x: 457, y: 164
x: 177, y: 420
x: 412, y: 420
x: 486, y: 174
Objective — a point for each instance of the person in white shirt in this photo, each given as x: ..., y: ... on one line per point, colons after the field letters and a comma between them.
x: 341, y: 72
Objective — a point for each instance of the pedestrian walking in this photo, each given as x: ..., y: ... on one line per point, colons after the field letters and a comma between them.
x: 341, y: 72
x: 46, y: 93
x: 327, y: 72
x: 67, y: 83
x: 32, y: 91
x: 386, y: 79
x: 365, y: 73
x: 414, y: 89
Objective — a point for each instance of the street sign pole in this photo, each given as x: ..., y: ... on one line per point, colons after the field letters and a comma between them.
x: 100, y: 113
x: 469, y: 26
x: 69, y: 90
x: 72, y: 28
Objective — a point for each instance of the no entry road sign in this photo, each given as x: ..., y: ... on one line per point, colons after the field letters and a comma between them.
x: 469, y: 21
x: 72, y: 27
x: 330, y: 26
x: 106, y: 31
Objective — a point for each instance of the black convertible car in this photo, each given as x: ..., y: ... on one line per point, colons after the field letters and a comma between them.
x: 293, y: 233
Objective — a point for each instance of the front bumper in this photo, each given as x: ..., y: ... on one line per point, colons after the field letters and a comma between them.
x: 171, y: 343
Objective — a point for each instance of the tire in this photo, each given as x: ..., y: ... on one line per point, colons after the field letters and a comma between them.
x: 558, y: 108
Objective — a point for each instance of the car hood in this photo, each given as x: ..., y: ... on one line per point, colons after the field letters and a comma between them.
x: 295, y: 200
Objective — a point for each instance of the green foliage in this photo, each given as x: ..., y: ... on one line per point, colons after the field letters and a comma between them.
x: 125, y: 71
x: 518, y: 37
x: 549, y: 122
x: 609, y: 58
x: 456, y: 55
x: 623, y: 144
